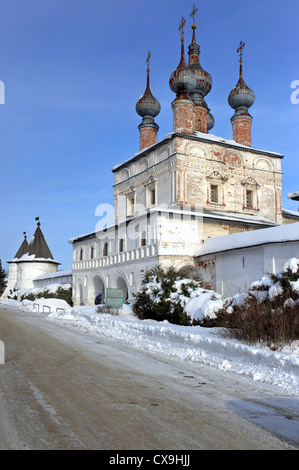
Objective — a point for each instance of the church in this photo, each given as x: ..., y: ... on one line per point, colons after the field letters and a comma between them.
x: 176, y: 193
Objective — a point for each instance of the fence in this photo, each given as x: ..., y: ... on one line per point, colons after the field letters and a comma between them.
x: 46, y: 308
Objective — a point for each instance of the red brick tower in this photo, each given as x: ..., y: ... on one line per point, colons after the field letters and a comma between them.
x: 148, y: 108
x: 240, y: 99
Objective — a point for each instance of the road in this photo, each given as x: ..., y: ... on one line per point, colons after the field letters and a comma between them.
x: 61, y: 388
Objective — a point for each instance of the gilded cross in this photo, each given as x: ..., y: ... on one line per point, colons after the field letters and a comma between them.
x: 181, y: 27
x: 195, y: 10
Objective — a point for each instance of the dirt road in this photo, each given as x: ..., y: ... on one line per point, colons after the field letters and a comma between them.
x: 63, y: 389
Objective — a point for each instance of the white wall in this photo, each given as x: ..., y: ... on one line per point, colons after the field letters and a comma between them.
x: 232, y: 272
x: 27, y: 271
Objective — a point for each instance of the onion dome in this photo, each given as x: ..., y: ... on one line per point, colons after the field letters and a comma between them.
x: 147, y: 105
x: 203, y: 78
x: 182, y: 81
x: 241, y: 96
x: 210, y: 121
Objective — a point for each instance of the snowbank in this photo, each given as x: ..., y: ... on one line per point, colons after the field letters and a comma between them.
x: 203, y: 346
x: 197, y: 344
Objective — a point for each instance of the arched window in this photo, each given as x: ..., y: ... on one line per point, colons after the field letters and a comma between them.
x: 81, y: 254
x: 105, y: 249
x: 92, y: 252
x: 143, y: 238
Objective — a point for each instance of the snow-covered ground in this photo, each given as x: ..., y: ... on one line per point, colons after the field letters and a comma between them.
x: 204, y: 346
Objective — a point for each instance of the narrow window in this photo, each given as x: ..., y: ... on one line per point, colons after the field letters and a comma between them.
x: 81, y: 255
x: 121, y: 245
x: 249, y: 198
x: 130, y: 205
x: 214, y: 193
x: 105, y: 249
x: 143, y: 239
x: 92, y: 252
x: 153, y: 196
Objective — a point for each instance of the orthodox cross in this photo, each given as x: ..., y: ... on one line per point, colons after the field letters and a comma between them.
x: 148, y: 59
x: 181, y: 27
x: 193, y: 13
x: 240, y: 49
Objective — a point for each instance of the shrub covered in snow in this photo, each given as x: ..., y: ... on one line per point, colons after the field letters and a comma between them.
x: 53, y: 291
x: 268, y: 313
x: 166, y: 295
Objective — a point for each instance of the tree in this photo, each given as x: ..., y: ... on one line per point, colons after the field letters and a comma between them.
x: 3, y: 276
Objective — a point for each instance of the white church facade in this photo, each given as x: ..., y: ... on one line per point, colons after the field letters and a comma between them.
x: 177, y: 192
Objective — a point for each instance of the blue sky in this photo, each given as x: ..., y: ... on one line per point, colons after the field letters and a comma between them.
x: 73, y: 72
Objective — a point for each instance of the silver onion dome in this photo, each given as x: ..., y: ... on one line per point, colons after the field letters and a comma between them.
x: 241, y: 96
x: 203, y: 78
x: 148, y: 105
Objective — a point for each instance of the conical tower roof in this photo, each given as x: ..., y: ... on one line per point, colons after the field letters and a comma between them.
x: 23, y: 248
x: 38, y: 245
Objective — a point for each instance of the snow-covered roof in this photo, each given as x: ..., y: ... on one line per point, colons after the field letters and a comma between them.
x: 233, y: 143
x: 282, y: 233
x: 136, y: 155
x: 294, y: 195
x: 66, y: 272
x: 203, y: 137
x: 228, y: 216
x: 287, y: 212
x: 30, y: 258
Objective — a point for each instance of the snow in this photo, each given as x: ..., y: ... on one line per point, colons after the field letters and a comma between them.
x: 196, y: 344
x: 215, y: 138
x: 203, y: 136
x: 292, y: 264
x: 29, y: 258
x: 203, y: 346
x: 282, y: 233
x: 66, y: 272
x: 294, y: 195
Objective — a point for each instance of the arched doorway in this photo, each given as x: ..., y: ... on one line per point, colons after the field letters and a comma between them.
x: 98, y: 287
x: 189, y: 272
x: 80, y: 288
x: 121, y: 284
